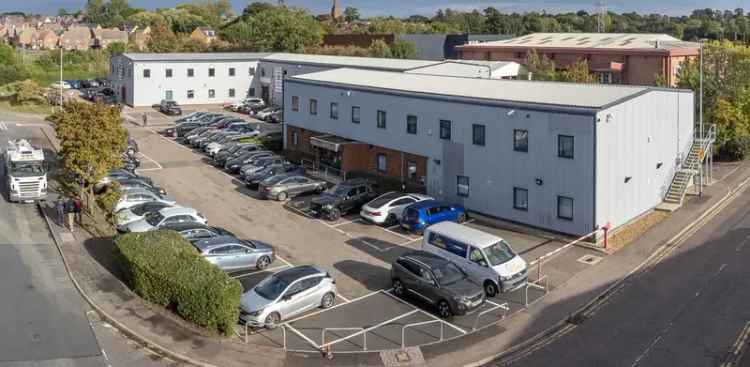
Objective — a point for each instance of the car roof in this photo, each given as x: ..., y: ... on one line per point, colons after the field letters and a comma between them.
x: 288, y: 276
x: 427, y: 258
x: 185, y: 226
x: 141, y: 191
x: 216, y: 241
x: 426, y: 204
x: 170, y: 211
x: 465, y: 234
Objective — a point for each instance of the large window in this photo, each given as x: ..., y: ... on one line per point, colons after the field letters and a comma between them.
x: 521, y: 140
x: 520, y: 198
x: 169, y: 73
x: 190, y: 94
x: 168, y: 95
x: 313, y: 106
x: 355, y: 114
x: 190, y: 73
x: 146, y: 73
x: 295, y: 103
x: 295, y: 138
x: 382, y: 163
x: 411, y: 170
x: 477, y: 134
x: 211, y: 72
x: 211, y: 93
x: 445, y: 129
x: 462, y: 186
x: 411, y: 124
x: 251, y: 92
x: 381, y: 119
x: 251, y: 71
x: 231, y: 72
x: 565, y: 207
x: 565, y: 146
x: 334, y: 111
x: 231, y: 92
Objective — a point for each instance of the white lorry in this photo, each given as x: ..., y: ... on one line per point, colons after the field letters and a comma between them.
x: 25, y: 172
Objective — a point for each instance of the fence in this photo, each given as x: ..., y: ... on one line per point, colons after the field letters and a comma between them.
x: 539, y: 261
x: 323, y: 171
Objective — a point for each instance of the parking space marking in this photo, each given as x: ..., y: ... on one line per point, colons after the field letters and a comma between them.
x: 284, y: 261
x: 347, y: 222
x: 462, y: 331
x: 3, y: 126
x: 346, y: 300
x: 386, y: 322
x: 396, y: 233
x: 336, y: 305
x: 259, y: 271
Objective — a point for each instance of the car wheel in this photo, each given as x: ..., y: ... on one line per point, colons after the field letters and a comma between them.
x: 263, y: 263
x: 390, y: 220
x: 461, y: 218
x: 319, y: 189
x: 272, y: 320
x: 444, y: 310
x: 281, y: 196
x: 327, y: 300
x: 490, y: 289
x: 398, y: 288
x: 334, y: 214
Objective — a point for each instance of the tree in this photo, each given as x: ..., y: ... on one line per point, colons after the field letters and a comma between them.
x: 12, y: 67
x: 117, y: 48
x: 379, y: 48
x: 163, y: 40
x: 401, y: 49
x: 146, y: 19
x: 95, y: 11
x: 351, y: 14
x: 92, y: 139
x: 27, y: 92
x: 62, y: 12
x: 256, y: 8
x: 274, y: 29
x: 577, y: 73
x: 541, y: 68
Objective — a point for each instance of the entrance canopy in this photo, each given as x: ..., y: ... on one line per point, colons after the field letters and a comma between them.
x: 331, y: 142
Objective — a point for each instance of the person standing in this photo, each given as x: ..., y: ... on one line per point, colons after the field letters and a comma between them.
x: 145, y: 120
x: 60, y: 210
x: 70, y: 209
x: 78, y: 210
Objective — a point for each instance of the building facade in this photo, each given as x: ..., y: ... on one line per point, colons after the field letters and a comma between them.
x: 188, y: 79
x: 563, y: 157
x: 615, y: 58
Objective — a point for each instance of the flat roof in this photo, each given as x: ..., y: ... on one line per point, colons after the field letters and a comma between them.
x: 349, y: 61
x: 587, y: 96
x: 196, y: 56
x: 591, y: 40
x: 470, y: 68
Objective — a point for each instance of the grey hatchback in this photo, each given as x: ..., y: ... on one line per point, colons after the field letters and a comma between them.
x: 437, y: 281
x: 286, y: 185
x: 230, y: 253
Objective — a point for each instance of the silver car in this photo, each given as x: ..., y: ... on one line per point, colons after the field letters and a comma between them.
x: 283, y: 186
x: 230, y: 253
x: 135, y: 197
x: 287, y: 293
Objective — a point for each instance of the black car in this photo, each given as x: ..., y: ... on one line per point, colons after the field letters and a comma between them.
x: 139, y: 182
x: 437, y: 281
x: 343, y: 198
x: 193, y: 231
x: 273, y: 140
x: 253, y: 179
x: 169, y: 107
x: 234, y: 151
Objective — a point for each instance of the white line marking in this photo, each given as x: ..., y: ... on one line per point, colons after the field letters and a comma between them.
x: 396, y: 233
x: 339, y: 340
x: 738, y: 347
x: 3, y: 126
x: 29, y: 124
x: 335, y: 306
x: 742, y: 244
x: 462, y: 331
x: 147, y: 169
x: 408, y: 242
x: 343, y: 298
x: 347, y: 222
x: 260, y: 271
x: 284, y: 261
x: 152, y: 161
x: 371, y: 245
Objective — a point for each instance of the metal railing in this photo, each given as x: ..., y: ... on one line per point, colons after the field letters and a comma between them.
x: 360, y: 330
x: 327, y: 347
x: 415, y: 324
x: 259, y: 326
x: 323, y: 171
x: 503, y: 306
x: 537, y: 284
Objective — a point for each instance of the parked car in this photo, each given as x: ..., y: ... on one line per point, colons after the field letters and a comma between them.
x: 260, y: 164
x: 58, y: 84
x: 235, y: 164
x: 193, y: 231
x: 75, y: 84
x: 129, y: 184
x: 287, y: 293
x: 171, y: 215
x: 436, y: 281
x: 273, y: 140
x: 130, y: 162
x: 265, y: 113
x: 137, y: 212
x: 169, y: 107
x: 283, y: 186
x: 254, y: 103
x: 343, y: 198
x: 254, y: 179
x: 234, y: 151
x: 91, y: 83
x: 132, y: 148
x: 277, y: 117
x: 230, y: 139
x: 485, y: 257
x: 231, y: 254
x: 135, y: 197
x: 389, y: 208
x: 121, y: 174
x: 192, y: 116
x: 423, y: 214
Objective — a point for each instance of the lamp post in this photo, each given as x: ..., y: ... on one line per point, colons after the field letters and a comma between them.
x: 61, y: 78
x: 700, y: 114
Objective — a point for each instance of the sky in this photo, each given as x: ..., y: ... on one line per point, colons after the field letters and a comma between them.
x: 422, y: 7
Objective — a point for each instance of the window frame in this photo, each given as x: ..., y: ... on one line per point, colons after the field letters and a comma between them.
x: 560, y: 198
x: 295, y: 103
x: 474, y: 136
x: 211, y: 72
x: 168, y: 73
x: 445, y: 125
x: 313, y: 103
x: 211, y: 93
x: 190, y: 72
x: 412, y: 126
x: 409, y: 164
x: 251, y: 71
x: 458, y: 186
x: 232, y: 92
x: 359, y: 111
x: 334, y: 110
x: 232, y: 72
x: 385, y: 162
x: 190, y: 93
x: 295, y: 138
x: 560, y: 152
x: 146, y: 73
x: 381, y: 123
x: 516, y: 191
x: 517, y: 147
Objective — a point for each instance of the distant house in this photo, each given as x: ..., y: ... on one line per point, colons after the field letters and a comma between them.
x: 206, y: 35
x: 140, y: 37
x: 107, y: 36
x: 3, y: 33
x: 76, y: 38
x: 45, y: 40
x: 54, y: 27
x: 24, y: 37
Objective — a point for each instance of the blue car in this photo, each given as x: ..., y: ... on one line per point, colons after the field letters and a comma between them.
x: 423, y: 214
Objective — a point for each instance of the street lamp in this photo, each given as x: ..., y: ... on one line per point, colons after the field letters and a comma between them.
x: 61, y: 78
x: 700, y: 96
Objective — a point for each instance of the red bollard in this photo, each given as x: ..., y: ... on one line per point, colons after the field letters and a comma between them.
x: 606, y: 229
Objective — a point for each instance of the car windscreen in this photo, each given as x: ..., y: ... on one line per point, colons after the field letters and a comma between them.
x: 499, y: 253
x: 412, y: 213
x: 271, y: 287
x: 145, y: 208
x: 448, y: 273
x: 338, y: 190
x: 383, y: 199
x: 154, y: 218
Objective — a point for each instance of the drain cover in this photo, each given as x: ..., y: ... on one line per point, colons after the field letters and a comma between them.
x: 589, y: 259
x: 411, y: 356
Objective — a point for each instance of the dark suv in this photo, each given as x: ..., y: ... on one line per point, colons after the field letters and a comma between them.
x: 169, y: 107
x: 438, y: 282
x: 343, y: 198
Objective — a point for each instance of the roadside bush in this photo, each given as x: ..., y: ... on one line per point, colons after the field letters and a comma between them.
x: 108, y: 199
x: 165, y: 269
x: 735, y: 149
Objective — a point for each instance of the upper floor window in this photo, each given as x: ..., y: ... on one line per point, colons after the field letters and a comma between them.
x: 211, y: 72
x: 521, y: 140
x: 565, y: 146
x: 251, y: 71
x: 381, y: 119
x: 231, y: 92
x: 445, y: 129
x: 477, y: 134
x: 313, y: 106
x: 334, y: 111
x: 231, y: 71
x: 411, y: 124
x: 190, y: 73
x: 295, y: 103
x: 355, y: 114
x: 169, y: 73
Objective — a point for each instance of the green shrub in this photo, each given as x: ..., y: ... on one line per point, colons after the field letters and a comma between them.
x: 165, y: 269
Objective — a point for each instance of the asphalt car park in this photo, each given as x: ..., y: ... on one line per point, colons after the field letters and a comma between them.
x: 357, y: 254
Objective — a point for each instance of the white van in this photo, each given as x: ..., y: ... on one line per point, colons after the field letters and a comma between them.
x: 486, y: 258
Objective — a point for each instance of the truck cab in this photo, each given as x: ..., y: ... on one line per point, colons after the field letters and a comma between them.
x: 25, y: 172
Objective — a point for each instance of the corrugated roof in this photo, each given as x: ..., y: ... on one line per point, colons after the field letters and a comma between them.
x: 587, y: 96
x: 205, y: 56
x: 592, y: 40
x: 349, y: 61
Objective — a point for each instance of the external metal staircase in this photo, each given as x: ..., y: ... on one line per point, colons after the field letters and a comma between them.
x: 692, y: 165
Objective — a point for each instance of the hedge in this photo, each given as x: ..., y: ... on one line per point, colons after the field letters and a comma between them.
x: 164, y: 268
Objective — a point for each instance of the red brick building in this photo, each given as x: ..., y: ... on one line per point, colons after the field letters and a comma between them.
x: 620, y: 58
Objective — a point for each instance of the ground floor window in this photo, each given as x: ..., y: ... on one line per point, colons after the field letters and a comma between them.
x: 295, y: 138
x: 411, y: 170
x: 211, y: 93
x: 168, y: 95
x: 251, y: 92
x: 190, y: 94
x: 565, y: 207
x: 231, y: 92
x: 462, y: 186
x: 382, y: 163
x: 520, y: 198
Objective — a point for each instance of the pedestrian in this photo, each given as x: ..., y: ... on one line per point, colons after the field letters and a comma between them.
x: 145, y: 120
x: 78, y: 210
x: 70, y: 210
x: 60, y: 209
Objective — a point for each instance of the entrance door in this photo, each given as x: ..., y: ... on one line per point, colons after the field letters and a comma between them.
x: 168, y: 95
x: 264, y: 94
x: 123, y: 94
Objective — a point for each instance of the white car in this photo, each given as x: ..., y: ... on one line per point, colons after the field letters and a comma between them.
x: 389, y: 208
x: 135, y: 197
x: 65, y: 85
x: 172, y: 215
x: 137, y: 212
x: 265, y: 113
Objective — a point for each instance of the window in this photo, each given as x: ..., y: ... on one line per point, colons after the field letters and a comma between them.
x: 262, y: 71
x: 313, y: 106
x: 190, y: 94
x: 382, y: 161
x: 295, y: 138
x: 251, y: 92
x: 381, y: 119
x: 411, y: 124
x: 521, y: 140
x: 355, y: 114
x: 168, y: 95
x: 211, y: 72
x: 411, y: 170
x: 404, y: 201
x: 231, y: 71
x: 190, y: 73
x: 294, y: 289
x: 146, y: 73
x: 565, y: 207
x: 231, y: 92
x: 565, y: 146
x: 445, y: 129
x: 462, y: 184
x: 251, y: 71
x: 295, y: 103
x: 477, y: 134
x: 169, y: 73
x: 310, y: 282
x: 334, y: 111
x: 410, y: 266
x: 220, y: 251
x: 211, y: 93
x: 520, y: 198
x: 476, y: 256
